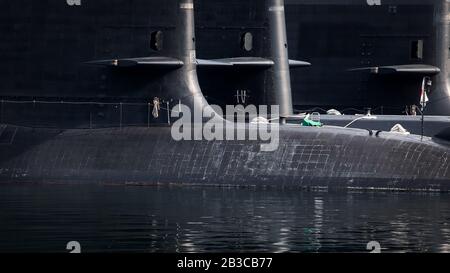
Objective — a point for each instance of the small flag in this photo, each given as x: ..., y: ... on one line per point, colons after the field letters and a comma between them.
x: 423, y: 96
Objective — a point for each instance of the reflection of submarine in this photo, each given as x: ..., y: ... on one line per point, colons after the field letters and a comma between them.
x: 363, y: 56
x: 119, y: 153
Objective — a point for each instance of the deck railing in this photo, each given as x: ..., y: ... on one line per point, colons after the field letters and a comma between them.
x: 81, y: 115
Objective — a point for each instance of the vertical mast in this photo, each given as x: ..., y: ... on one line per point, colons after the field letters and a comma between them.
x: 182, y: 84
x: 440, y: 98
x: 280, y: 93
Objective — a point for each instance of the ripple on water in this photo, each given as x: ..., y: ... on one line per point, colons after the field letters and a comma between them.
x: 139, y: 219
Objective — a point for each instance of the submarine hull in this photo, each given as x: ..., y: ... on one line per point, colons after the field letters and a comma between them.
x: 330, y: 158
x: 432, y: 125
x: 46, y: 46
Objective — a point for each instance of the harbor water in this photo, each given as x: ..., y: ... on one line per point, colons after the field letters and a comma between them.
x: 45, y: 218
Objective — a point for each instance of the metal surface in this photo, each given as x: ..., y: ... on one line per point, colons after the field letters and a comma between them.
x: 440, y: 99
x: 339, y: 35
x: 45, y: 47
x: 329, y: 158
x: 280, y: 82
x: 56, y: 83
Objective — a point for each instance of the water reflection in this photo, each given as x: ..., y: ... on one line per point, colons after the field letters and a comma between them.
x: 139, y: 219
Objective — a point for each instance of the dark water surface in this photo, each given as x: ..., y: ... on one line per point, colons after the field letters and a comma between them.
x: 44, y: 218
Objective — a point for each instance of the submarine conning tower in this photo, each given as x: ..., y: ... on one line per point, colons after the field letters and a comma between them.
x: 173, y: 76
x: 440, y: 98
x: 182, y: 84
x: 280, y: 79
x: 254, y: 71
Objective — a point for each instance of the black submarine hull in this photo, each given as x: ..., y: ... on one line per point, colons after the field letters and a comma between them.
x: 100, y: 71
x: 432, y: 125
x: 315, y: 158
x: 358, y: 49
x: 46, y: 45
